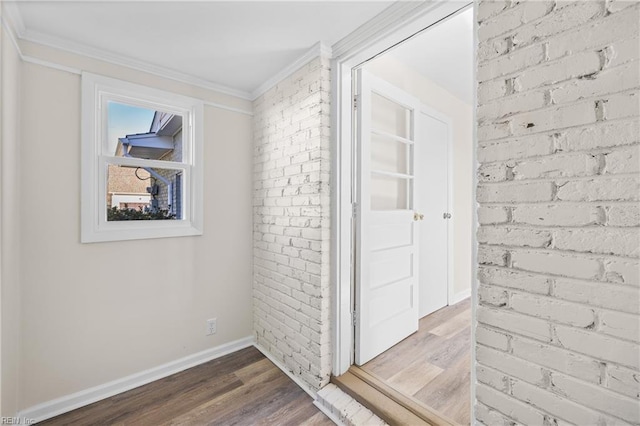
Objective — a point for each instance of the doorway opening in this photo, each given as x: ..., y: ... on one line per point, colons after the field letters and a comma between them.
x: 412, y: 189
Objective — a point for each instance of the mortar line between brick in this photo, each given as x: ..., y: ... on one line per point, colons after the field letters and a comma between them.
x: 546, y: 16
x: 557, y: 298
x: 541, y: 42
x: 556, y: 322
x: 561, y: 83
x: 551, y: 251
x: 549, y: 132
x: 562, y: 178
x: 596, y: 125
x: 535, y: 407
x: 582, y: 100
x: 565, y: 374
x: 554, y: 155
x: 551, y: 228
x: 604, y: 203
x: 511, y: 332
x: 586, y: 305
x: 592, y: 256
x: 530, y: 340
x: 511, y: 419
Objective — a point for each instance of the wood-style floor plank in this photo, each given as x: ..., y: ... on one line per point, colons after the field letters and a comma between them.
x: 410, y: 349
x: 453, y: 381
x: 448, y: 353
x: 452, y: 326
x: 432, y: 366
x: 441, y: 316
x: 411, y: 379
x: 318, y: 419
x: 242, y: 388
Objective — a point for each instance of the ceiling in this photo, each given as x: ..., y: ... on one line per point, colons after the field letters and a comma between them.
x: 444, y: 54
x: 239, y: 44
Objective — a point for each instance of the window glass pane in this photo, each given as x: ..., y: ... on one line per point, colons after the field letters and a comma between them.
x: 389, y: 193
x: 389, y: 155
x: 138, y: 132
x: 143, y: 193
x: 389, y: 116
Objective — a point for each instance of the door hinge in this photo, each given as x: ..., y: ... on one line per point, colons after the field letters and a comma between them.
x: 354, y: 210
x: 354, y: 318
x: 355, y: 101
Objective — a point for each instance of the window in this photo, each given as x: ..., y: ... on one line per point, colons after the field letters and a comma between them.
x: 141, y: 162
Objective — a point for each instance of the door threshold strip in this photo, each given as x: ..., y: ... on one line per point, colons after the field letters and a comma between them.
x: 392, y: 406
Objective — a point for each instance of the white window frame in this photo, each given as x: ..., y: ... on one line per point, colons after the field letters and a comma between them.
x: 97, y: 90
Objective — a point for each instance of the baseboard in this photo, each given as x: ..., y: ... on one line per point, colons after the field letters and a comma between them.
x: 64, y: 404
x: 460, y: 296
x: 305, y: 387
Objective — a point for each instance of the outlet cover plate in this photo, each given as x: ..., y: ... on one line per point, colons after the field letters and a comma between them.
x: 212, y: 326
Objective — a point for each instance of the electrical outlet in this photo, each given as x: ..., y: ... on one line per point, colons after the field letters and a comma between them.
x: 212, y: 326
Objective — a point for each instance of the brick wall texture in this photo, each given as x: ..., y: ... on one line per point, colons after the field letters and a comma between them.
x: 291, y: 223
x: 559, y: 237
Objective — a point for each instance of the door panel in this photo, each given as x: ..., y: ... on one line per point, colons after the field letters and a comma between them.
x: 390, y: 268
x: 391, y: 235
x: 432, y: 154
x: 387, y: 234
x: 389, y: 302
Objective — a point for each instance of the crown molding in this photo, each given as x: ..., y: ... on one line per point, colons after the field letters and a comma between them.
x: 11, y: 13
x: 228, y: 108
x: 318, y: 49
x: 11, y: 35
x: 126, y: 61
x: 399, y: 14
x: 49, y: 64
x: 7, y: 22
x: 10, y: 20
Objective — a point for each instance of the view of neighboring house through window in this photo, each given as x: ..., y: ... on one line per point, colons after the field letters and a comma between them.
x: 142, y: 161
x: 141, y: 192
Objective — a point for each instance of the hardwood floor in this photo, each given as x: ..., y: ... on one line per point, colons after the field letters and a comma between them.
x: 242, y: 388
x: 433, y: 365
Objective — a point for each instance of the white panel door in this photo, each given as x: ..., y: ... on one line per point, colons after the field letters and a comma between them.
x: 432, y: 175
x: 386, y: 224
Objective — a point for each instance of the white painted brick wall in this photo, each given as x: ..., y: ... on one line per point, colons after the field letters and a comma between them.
x: 344, y: 409
x: 558, y: 335
x: 291, y: 222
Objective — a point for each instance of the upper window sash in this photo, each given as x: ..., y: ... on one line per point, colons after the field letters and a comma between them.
x: 187, y: 114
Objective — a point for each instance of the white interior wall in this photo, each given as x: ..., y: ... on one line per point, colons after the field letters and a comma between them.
x: 434, y: 96
x: 10, y: 210
x: 80, y: 326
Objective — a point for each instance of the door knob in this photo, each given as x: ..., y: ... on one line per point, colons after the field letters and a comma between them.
x: 418, y: 216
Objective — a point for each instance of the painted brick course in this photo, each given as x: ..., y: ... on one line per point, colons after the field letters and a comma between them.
x: 558, y: 336
x: 291, y: 223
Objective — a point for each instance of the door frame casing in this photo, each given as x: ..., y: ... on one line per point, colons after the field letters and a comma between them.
x: 342, y: 156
